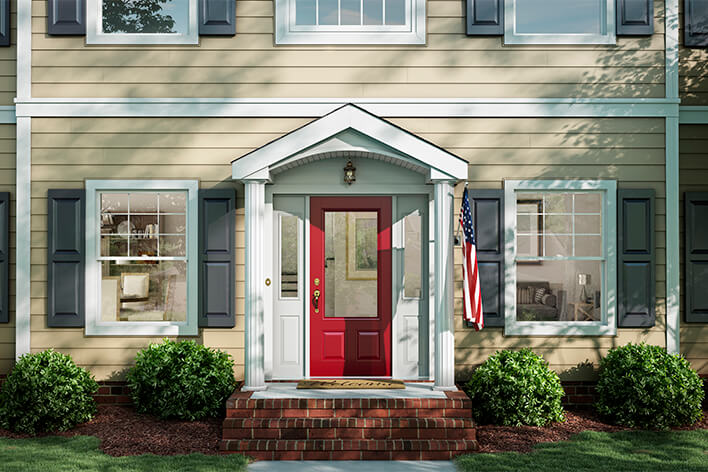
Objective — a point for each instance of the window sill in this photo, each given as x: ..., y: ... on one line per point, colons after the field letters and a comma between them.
x: 511, y: 39
x: 540, y: 328
x: 141, y: 328
x: 138, y: 39
x: 378, y: 37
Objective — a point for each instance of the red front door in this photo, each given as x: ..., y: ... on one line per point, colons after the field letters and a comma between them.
x: 350, y: 286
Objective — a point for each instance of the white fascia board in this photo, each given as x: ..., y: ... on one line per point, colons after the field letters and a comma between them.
x: 316, y: 107
x: 349, y: 117
x: 693, y: 115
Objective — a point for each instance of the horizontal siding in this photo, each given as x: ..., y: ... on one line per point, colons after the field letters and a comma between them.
x: 693, y: 69
x: 693, y: 176
x: 66, y: 151
x: 249, y: 65
x: 8, y: 63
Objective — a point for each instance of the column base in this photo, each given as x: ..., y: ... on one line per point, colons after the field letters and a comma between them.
x: 259, y: 388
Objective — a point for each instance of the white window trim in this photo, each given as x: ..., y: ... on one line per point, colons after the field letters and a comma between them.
x: 287, y: 33
x: 511, y: 37
x: 94, y: 325
x: 608, y: 324
x: 95, y: 34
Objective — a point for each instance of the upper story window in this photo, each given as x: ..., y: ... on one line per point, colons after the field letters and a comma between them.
x: 141, y: 22
x: 559, y: 22
x: 350, y: 21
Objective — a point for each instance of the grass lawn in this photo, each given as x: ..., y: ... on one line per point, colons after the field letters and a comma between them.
x: 81, y: 453
x: 608, y: 452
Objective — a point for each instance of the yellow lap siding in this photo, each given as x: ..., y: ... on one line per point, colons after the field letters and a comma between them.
x: 66, y: 151
x: 450, y: 64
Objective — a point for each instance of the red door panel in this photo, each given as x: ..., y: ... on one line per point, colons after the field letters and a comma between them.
x: 345, y: 342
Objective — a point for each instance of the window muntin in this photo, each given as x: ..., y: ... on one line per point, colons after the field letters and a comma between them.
x: 142, y: 250
x: 560, y: 257
x: 559, y: 242
x: 141, y: 265
x: 142, y: 22
x: 350, y: 21
x: 559, y: 22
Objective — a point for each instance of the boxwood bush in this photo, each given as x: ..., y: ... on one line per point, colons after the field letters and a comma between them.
x: 644, y: 386
x: 45, y: 392
x: 515, y: 388
x: 182, y: 380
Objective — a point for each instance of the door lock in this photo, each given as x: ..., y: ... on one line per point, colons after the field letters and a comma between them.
x: 316, y: 300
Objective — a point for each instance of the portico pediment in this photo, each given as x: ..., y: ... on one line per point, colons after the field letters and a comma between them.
x: 349, y: 129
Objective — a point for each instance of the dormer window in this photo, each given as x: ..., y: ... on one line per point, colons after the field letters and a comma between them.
x: 350, y: 21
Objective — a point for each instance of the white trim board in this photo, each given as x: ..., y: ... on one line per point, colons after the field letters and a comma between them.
x: 693, y: 115
x: 315, y: 108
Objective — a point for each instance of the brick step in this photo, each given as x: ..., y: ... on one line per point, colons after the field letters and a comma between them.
x: 247, y: 446
x: 351, y: 455
x: 350, y: 433
x: 329, y: 423
x: 349, y: 413
x: 461, y: 402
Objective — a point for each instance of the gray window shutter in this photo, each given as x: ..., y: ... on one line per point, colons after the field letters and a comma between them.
x: 635, y: 17
x: 66, y: 17
x: 4, y: 22
x: 636, y: 274
x: 485, y: 17
x: 695, y: 23
x: 66, y: 257
x: 488, y: 222
x: 4, y: 257
x: 217, y: 258
x: 217, y: 17
x: 696, y: 256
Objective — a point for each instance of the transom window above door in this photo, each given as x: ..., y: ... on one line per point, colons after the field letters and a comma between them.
x: 141, y: 22
x: 350, y: 21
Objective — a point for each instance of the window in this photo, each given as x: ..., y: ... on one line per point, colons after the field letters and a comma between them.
x: 559, y: 21
x: 141, y: 22
x: 560, y: 257
x: 350, y: 21
x: 141, y: 257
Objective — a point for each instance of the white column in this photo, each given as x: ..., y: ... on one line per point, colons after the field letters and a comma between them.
x: 444, y: 318
x: 255, y: 285
x: 23, y: 235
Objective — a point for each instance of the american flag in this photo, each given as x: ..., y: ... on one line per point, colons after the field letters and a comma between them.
x: 472, y: 295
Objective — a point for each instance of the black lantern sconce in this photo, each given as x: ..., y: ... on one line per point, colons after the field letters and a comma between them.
x: 349, y: 173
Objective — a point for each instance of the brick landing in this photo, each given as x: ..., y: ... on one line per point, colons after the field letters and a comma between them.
x: 349, y: 429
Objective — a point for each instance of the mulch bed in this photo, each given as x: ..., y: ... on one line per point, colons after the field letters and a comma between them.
x: 123, y: 432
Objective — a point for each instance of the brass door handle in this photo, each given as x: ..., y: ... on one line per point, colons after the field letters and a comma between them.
x: 316, y: 300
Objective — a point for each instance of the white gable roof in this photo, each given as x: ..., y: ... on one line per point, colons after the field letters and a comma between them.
x: 350, y: 128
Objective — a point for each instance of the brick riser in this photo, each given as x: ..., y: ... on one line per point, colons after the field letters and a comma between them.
x: 349, y: 429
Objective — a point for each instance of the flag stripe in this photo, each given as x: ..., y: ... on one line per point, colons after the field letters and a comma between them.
x: 471, y: 292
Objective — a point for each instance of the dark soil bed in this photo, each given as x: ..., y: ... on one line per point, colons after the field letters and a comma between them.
x: 523, y: 438
x: 124, y: 432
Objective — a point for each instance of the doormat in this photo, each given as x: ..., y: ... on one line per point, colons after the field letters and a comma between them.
x: 355, y: 384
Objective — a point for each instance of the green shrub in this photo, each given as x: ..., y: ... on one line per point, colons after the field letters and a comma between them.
x: 46, y: 391
x: 181, y: 380
x: 644, y: 386
x: 515, y: 388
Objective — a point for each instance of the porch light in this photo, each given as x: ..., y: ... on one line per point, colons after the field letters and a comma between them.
x: 349, y: 173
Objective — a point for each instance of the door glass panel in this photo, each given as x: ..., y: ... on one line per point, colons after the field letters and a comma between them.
x: 288, y: 256
x: 351, y: 264
x: 412, y: 256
